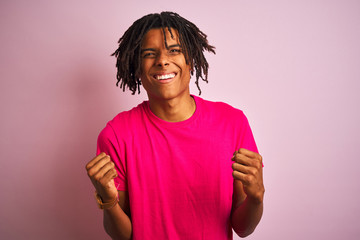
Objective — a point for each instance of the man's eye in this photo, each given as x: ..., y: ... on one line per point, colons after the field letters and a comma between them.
x: 175, y: 51
x: 148, y: 55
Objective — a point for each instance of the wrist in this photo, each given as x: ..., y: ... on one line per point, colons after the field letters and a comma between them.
x: 106, y: 204
x: 256, y: 200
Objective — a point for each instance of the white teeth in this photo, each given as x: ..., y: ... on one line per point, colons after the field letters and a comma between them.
x: 166, y: 76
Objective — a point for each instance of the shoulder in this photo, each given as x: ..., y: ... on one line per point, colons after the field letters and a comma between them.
x: 123, y: 122
x: 127, y: 118
x: 219, y: 108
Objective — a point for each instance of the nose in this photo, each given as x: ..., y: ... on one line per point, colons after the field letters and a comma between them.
x: 162, y: 60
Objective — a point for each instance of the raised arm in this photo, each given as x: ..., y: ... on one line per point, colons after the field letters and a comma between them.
x: 117, y: 222
x: 248, y: 192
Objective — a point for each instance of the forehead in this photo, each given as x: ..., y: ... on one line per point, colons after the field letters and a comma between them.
x: 155, y: 37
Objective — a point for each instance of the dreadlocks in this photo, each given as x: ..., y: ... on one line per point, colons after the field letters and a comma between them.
x: 192, y: 40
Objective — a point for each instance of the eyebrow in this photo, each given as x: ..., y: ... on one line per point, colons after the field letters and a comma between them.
x: 147, y: 49
x: 153, y: 49
x: 174, y: 45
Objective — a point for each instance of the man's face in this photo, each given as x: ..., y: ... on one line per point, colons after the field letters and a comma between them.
x: 164, y: 72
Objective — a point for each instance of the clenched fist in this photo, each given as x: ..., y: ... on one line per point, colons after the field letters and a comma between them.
x: 247, y: 168
x: 102, y: 173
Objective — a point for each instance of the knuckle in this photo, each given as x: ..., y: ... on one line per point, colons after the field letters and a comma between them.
x: 248, y: 178
x: 109, y: 162
x: 258, y: 165
x: 243, y: 151
x: 233, y: 166
x: 97, y: 178
x: 104, y: 162
x: 255, y: 163
x: 90, y: 173
x: 253, y: 171
x: 109, y: 165
x: 102, y: 181
x: 88, y: 166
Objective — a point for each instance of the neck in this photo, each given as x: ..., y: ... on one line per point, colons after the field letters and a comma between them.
x: 173, y: 110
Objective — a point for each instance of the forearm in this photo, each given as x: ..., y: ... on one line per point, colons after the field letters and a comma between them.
x: 117, y: 224
x: 246, y: 217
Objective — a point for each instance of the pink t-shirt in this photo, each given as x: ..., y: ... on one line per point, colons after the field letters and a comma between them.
x: 178, y: 175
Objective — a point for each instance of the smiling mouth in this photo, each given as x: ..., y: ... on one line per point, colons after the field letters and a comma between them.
x: 165, y: 76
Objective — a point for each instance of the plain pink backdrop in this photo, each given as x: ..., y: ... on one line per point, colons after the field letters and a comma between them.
x: 292, y: 66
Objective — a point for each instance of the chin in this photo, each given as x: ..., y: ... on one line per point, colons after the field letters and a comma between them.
x: 169, y: 95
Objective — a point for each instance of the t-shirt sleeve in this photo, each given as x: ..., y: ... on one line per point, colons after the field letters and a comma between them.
x: 246, y: 139
x: 108, y: 143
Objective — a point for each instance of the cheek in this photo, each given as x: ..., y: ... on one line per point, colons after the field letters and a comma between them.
x: 187, y: 72
x: 145, y: 65
x: 187, y: 77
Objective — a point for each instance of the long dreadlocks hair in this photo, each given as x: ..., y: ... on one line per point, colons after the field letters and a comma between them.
x: 192, y: 40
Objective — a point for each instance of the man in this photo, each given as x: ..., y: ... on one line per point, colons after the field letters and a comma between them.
x: 176, y: 166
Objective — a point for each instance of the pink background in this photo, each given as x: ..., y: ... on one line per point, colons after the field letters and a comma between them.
x: 292, y: 66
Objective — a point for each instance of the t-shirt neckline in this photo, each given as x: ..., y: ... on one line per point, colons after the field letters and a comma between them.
x: 158, y: 120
